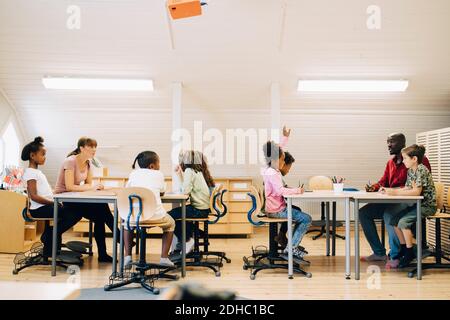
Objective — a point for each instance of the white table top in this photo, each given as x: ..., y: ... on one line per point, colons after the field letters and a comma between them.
x: 360, y: 195
x: 321, y: 194
x: 109, y: 194
x: 20, y: 290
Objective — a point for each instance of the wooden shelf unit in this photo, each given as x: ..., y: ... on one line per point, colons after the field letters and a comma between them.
x: 236, y: 199
x: 16, y: 235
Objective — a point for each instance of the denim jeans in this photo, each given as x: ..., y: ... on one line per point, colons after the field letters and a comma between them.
x: 191, y: 212
x: 302, y: 222
x: 367, y: 216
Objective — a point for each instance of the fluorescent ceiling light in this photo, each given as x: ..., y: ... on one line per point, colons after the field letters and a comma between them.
x: 67, y: 83
x: 352, y: 85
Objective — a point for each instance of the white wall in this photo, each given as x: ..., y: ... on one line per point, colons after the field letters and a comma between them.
x: 5, y: 112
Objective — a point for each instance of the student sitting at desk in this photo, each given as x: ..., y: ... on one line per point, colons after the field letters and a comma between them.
x: 274, y: 194
x: 40, y: 195
x: 196, y: 181
x: 75, y: 175
x: 394, y: 177
x: 418, y: 183
x: 150, y: 177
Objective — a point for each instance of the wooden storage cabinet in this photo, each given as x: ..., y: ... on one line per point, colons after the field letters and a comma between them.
x: 16, y: 235
x: 236, y: 199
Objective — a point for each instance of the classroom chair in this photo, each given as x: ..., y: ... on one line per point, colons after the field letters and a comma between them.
x: 325, y: 183
x: 136, y: 207
x: 34, y: 256
x: 267, y: 259
x: 199, y: 258
x: 441, y: 214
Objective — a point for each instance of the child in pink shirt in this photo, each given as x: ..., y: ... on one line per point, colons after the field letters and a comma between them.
x: 275, y: 204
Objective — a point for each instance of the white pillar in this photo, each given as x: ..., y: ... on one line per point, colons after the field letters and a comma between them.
x: 176, y: 125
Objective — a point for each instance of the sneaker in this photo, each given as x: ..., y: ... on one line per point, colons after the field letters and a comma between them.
x: 127, y: 261
x: 166, y: 262
x: 298, y: 253
x: 392, y: 264
x: 174, y: 245
x: 190, y: 245
x: 373, y: 257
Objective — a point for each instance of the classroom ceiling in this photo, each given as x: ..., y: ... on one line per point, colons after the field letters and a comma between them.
x: 226, y: 58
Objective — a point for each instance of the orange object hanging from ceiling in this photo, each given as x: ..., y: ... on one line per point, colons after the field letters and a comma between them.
x: 184, y: 8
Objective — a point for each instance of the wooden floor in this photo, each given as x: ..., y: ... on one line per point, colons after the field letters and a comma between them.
x: 328, y: 281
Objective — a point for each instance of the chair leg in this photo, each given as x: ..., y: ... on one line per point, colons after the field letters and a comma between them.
x: 90, y: 238
x: 383, y: 233
x: 322, y: 218
x: 137, y: 242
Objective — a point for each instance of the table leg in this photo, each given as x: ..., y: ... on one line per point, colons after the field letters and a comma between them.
x: 419, y: 240
x: 327, y: 227
x: 121, y: 253
x: 347, y: 239
x: 55, y: 236
x: 114, y: 257
x: 183, y: 238
x: 357, y: 265
x: 290, y: 257
x: 333, y: 228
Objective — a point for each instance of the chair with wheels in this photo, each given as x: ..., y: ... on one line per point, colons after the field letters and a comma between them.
x: 199, y: 258
x: 35, y: 256
x: 136, y: 207
x: 272, y: 258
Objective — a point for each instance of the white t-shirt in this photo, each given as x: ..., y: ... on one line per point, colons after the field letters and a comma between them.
x: 43, y: 189
x: 152, y: 180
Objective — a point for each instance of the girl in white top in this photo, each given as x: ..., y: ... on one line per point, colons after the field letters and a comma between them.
x: 40, y: 194
x: 150, y: 177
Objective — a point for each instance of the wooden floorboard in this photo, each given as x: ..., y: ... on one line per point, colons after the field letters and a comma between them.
x: 328, y: 280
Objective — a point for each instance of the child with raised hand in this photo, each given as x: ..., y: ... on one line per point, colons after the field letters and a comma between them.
x: 148, y: 176
x: 419, y: 182
x: 275, y: 204
x: 40, y: 195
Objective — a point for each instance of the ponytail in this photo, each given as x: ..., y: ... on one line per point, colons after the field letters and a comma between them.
x: 136, y: 159
x: 74, y: 152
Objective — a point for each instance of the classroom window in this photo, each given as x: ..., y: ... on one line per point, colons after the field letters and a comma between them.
x: 10, y: 147
x: 1, y: 155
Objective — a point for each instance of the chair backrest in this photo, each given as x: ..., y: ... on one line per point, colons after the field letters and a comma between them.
x: 439, y: 195
x: 138, y: 203
x: 214, y: 204
x: 448, y: 197
x: 252, y: 214
x: 218, y: 207
x: 320, y: 183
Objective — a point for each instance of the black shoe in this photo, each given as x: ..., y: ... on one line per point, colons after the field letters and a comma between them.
x: 281, y: 240
x: 406, y: 260
x: 105, y: 258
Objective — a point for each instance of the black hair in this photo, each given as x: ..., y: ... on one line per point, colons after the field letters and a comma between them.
x: 83, y: 142
x: 272, y: 151
x: 288, y: 158
x: 415, y: 151
x: 400, y: 137
x: 32, y: 147
x: 145, y: 159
